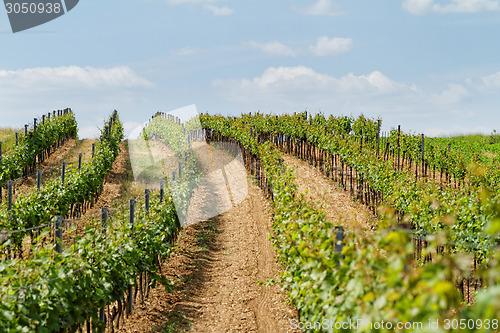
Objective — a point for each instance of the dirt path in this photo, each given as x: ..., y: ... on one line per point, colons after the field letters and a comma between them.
x: 336, y: 202
x: 118, y: 185
x: 231, y: 299
x: 117, y: 188
x: 224, y: 271
x: 52, y: 166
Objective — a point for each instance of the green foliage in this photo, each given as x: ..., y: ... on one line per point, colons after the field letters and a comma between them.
x: 46, y: 135
x: 50, y: 292
x: 372, y: 278
x: 36, y: 208
x: 174, y: 135
x: 7, y: 137
x: 169, y: 132
x: 494, y: 138
x: 425, y: 205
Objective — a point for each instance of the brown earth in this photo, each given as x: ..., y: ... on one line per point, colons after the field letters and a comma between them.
x: 224, y: 270
x: 117, y: 189
x: 336, y: 203
x: 489, y: 154
x: 119, y: 184
x: 52, y: 166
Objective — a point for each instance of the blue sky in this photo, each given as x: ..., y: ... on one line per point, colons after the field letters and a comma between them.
x: 432, y: 66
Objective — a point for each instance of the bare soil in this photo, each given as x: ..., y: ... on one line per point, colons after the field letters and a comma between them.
x: 489, y: 154
x: 113, y: 188
x: 52, y: 166
x: 118, y: 188
x: 336, y: 203
x: 119, y: 184
x: 224, y: 270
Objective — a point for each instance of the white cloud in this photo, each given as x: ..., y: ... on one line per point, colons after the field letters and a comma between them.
x: 420, y: 7
x: 288, y: 75
x: 375, y: 82
x: 417, y: 7
x: 189, y: 51
x: 272, y: 48
x: 454, y: 94
x: 300, y: 80
x: 451, y: 107
x: 491, y: 81
x: 130, y: 126
x: 190, y: 2
x: 72, y: 76
x: 331, y: 46
x: 321, y: 8
x: 324, y: 46
x: 88, y: 132
x: 88, y: 90
x: 94, y: 132
x: 289, y: 89
x: 487, y: 85
x: 207, y: 4
x: 219, y: 11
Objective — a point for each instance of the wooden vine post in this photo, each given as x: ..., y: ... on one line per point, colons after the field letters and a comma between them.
x: 162, y: 190
x: 422, y: 153
x: 9, y: 192
x: 38, y: 179
x: 104, y: 220
x: 399, y: 146
x: 63, y: 172
x: 58, y: 229
x: 378, y: 137
x: 130, y: 295
x: 146, y: 200
x: 339, y: 240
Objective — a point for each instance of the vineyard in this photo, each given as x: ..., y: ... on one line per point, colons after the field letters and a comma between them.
x: 301, y: 219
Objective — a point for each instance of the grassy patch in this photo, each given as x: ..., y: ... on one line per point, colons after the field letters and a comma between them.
x: 8, y: 138
x: 492, y: 138
x: 177, y: 323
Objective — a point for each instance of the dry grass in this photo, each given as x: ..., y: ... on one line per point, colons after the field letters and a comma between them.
x: 7, y: 137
